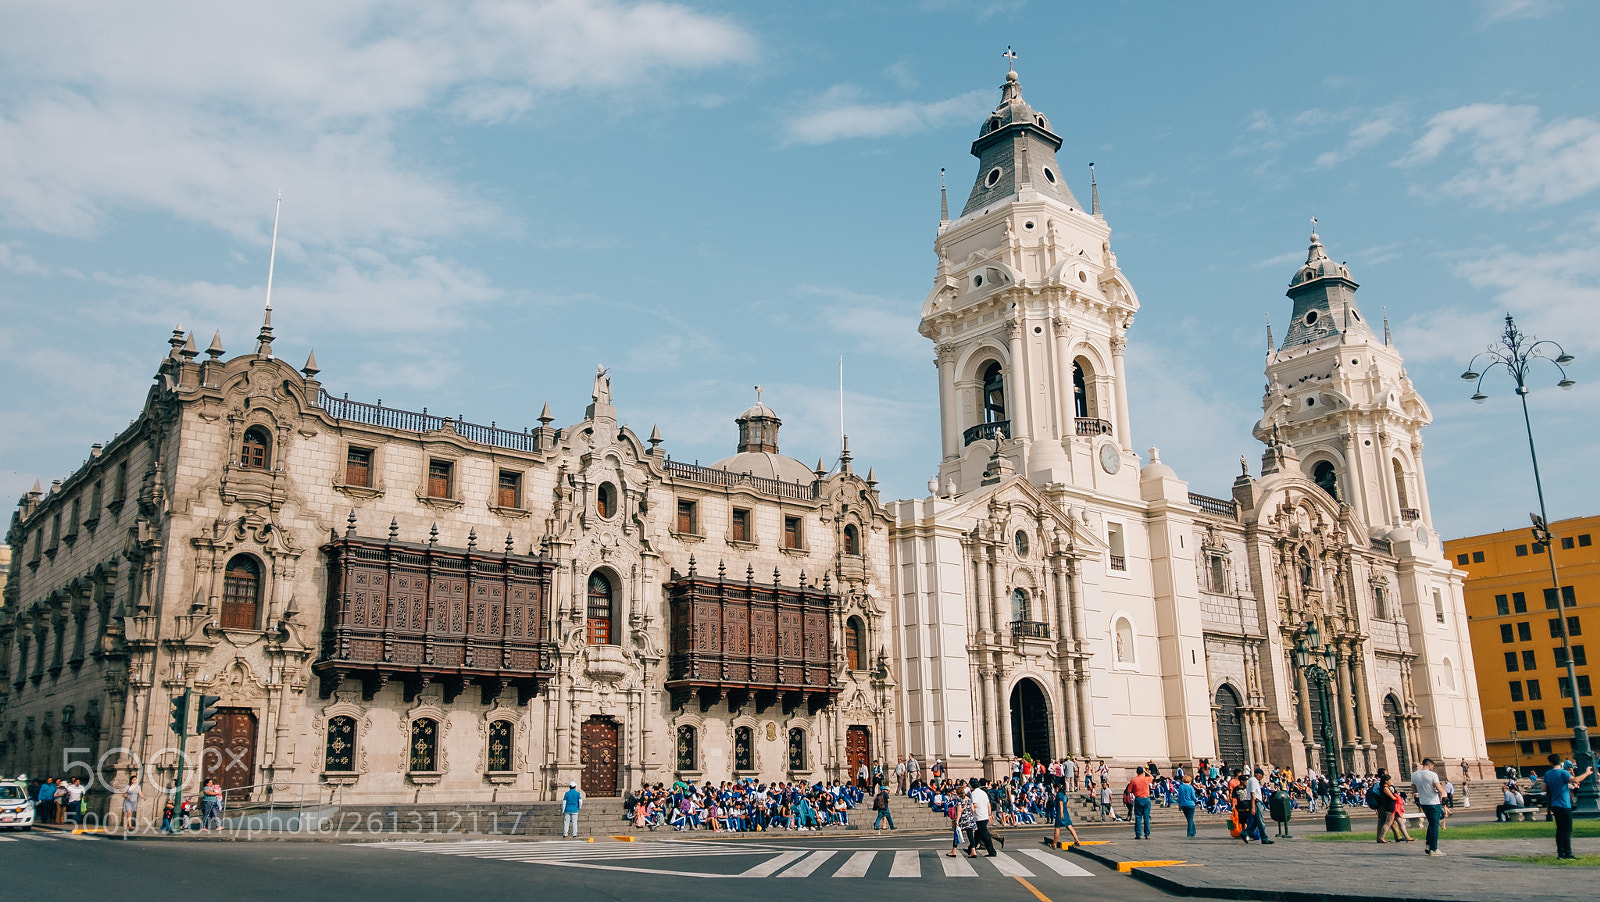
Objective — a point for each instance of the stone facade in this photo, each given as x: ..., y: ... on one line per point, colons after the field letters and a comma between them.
x: 519, y: 621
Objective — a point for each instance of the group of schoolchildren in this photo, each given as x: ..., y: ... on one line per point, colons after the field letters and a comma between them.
x: 745, y: 806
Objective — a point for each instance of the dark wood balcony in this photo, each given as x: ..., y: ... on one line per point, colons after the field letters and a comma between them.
x: 999, y: 430
x: 425, y: 614
x: 737, y: 639
x: 1090, y: 426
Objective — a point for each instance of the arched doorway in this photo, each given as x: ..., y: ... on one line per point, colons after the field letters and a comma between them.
x: 1030, y: 721
x: 858, y: 751
x: 1230, y: 728
x: 1397, y: 728
x: 598, y: 756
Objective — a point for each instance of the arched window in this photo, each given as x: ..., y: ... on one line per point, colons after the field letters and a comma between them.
x: 1327, y: 478
x: 1080, y: 391
x: 1394, y: 722
x: 744, y: 749
x: 1124, y: 641
x: 501, y: 745
x: 241, y: 593
x: 852, y: 539
x: 854, y: 643
x: 1020, y: 543
x: 797, y: 749
x: 1230, y: 727
x: 600, y: 609
x: 339, y: 753
x: 1449, y: 674
x: 255, y: 452
x: 606, y: 500
x: 424, y: 749
x: 1019, y: 605
x: 994, y: 394
x: 687, y: 748
x: 1400, y: 484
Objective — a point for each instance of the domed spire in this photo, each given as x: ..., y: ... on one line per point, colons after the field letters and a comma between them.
x: 758, y: 428
x: 1016, y: 137
x: 1324, y: 300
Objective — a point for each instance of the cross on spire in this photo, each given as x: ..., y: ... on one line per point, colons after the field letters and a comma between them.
x: 1313, y: 225
x: 1011, y: 59
x: 758, y: 394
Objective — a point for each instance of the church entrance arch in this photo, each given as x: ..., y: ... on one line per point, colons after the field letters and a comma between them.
x: 1397, y: 728
x: 599, y: 756
x: 858, y: 751
x: 1030, y: 721
x: 1230, y: 728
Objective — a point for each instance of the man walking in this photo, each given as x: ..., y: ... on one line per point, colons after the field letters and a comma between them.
x: 1258, y: 802
x: 981, y: 812
x: 1139, y: 786
x: 571, y: 804
x: 900, y: 776
x: 1426, y: 784
x: 1559, y: 781
x: 880, y: 804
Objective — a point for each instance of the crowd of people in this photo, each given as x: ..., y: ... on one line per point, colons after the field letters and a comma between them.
x: 745, y: 806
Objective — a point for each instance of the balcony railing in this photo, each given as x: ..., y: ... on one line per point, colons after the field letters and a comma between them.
x: 1118, y: 562
x: 1221, y: 508
x: 1093, y: 426
x: 410, y: 421
x: 799, y: 491
x: 1410, y: 515
x: 1030, y: 629
x: 999, y: 430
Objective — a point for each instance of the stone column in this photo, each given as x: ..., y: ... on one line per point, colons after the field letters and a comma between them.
x: 1017, y: 388
x: 1069, y: 697
x: 1124, y: 438
x: 991, y: 743
x: 1422, y: 483
x: 1065, y: 405
x: 1307, y: 725
x: 980, y: 566
x: 949, y: 408
x: 1003, y: 708
x: 996, y: 611
x: 1346, y: 714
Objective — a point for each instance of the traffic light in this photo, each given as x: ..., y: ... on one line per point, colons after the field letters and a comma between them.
x: 180, y: 713
x: 206, y: 717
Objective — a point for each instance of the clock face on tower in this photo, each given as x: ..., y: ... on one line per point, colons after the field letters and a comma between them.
x: 1110, y: 458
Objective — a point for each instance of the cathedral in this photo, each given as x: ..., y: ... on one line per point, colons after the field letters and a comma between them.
x: 410, y: 607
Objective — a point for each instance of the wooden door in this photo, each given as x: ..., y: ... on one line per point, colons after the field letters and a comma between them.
x: 858, y: 750
x: 599, y: 757
x: 230, y: 753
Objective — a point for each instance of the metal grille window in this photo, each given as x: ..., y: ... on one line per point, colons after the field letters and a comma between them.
x: 241, y: 593
x: 500, y: 746
x: 599, y: 609
x: 686, y: 747
x: 358, y: 467
x: 439, y: 478
x: 253, y: 451
x: 744, y: 749
x: 339, y: 753
x: 797, y: 749
x: 424, y: 749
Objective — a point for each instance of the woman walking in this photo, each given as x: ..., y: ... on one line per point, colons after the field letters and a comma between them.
x: 1187, y: 800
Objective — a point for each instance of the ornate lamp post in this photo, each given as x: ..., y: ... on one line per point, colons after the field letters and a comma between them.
x: 1516, y: 351
x: 1516, y: 753
x: 1311, y: 656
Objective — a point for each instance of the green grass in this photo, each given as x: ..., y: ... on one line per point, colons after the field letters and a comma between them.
x: 1362, y: 830
x: 1582, y: 861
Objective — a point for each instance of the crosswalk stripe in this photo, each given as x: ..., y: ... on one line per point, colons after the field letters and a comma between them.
x: 809, y: 864
x: 770, y: 866
x: 8, y: 839
x: 957, y: 866
x: 907, y: 863
x: 1009, y: 867
x: 857, y: 865
x: 1056, y: 863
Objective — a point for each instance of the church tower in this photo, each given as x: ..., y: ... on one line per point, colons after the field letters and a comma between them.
x: 1342, y: 398
x: 1028, y: 314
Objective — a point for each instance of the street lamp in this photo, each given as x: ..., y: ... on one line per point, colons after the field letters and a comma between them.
x: 1516, y: 351
x: 1516, y: 755
x: 1311, y: 655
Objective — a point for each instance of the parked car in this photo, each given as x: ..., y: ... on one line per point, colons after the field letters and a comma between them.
x: 16, y: 809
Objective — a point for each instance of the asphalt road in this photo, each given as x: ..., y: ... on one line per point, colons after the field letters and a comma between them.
x: 796, y: 867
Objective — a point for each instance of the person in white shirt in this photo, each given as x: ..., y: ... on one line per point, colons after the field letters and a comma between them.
x: 900, y: 776
x: 1512, y: 799
x: 981, y: 812
x: 1431, y: 801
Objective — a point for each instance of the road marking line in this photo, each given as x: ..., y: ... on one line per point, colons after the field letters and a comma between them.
x: 1033, y: 889
x: 1056, y: 863
x: 772, y: 865
x: 809, y: 864
x: 856, y: 865
x: 8, y: 839
x: 957, y: 866
x: 1126, y: 867
x: 907, y: 863
x: 1009, y: 867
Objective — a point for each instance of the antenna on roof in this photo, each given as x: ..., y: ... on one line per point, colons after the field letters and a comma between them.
x: 843, y: 447
x: 264, y: 339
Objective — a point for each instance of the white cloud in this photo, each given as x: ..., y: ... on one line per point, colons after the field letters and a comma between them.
x: 1373, y: 128
x: 877, y: 325
x: 841, y: 114
x: 1517, y: 160
x: 1495, y: 11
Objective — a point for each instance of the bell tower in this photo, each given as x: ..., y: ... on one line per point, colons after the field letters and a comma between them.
x: 1341, y: 396
x: 1028, y: 315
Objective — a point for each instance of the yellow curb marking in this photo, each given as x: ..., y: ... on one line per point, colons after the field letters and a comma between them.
x: 1092, y: 842
x: 1032, y: 889
x: 620, y: 839
x: 90, y: 830
x: 1125, y: 867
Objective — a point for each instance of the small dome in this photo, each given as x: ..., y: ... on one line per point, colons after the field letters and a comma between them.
x: 1318, y: 266
x: 758, y: 410
x: 1012, y: 109
x: 1155, y: 469
x: 767, y: 465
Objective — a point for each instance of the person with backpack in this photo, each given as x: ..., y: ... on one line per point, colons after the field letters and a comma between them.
x: 880, y: 804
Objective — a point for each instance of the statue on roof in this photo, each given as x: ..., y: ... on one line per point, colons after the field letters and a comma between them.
x: 602, y: 386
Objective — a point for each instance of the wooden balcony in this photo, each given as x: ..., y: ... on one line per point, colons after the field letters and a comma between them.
x: 426, y: 614
x: 737, y: 639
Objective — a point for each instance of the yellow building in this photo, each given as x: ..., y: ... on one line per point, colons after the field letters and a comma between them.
x: 1516, y: 638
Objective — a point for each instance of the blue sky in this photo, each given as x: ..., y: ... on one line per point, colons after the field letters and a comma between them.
x: 482, y: 201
